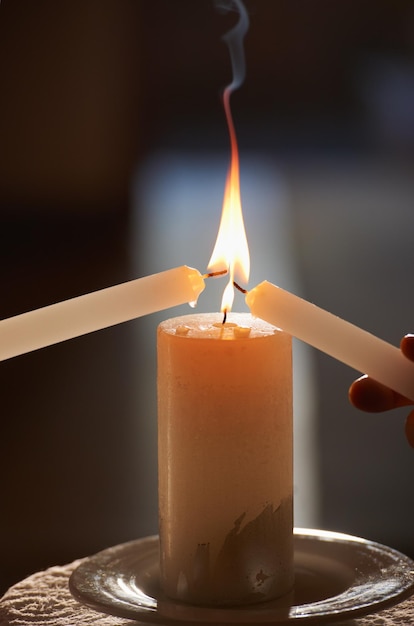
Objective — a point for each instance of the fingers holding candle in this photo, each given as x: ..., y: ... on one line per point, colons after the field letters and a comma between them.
x: 371, y: 396
x: 409, y: 428
x: 407, y: 346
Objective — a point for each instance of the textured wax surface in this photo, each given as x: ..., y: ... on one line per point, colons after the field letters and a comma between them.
x: 225, y: 459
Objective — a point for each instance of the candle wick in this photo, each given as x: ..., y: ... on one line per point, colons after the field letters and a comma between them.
x: 214, y: 274
x: 224, y: 316
x: 240, y: 288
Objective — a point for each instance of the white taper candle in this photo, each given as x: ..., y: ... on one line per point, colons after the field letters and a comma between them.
x: 97, y: 310
x: 353, y: 346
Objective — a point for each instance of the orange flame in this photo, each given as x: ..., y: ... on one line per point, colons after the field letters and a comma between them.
x: 231, y: 250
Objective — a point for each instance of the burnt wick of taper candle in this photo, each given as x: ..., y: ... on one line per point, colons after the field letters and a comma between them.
x: 214, y: 274
x: 240, y: 288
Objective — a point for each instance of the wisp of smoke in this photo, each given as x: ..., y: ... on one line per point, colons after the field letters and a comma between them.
x: 234, y: 40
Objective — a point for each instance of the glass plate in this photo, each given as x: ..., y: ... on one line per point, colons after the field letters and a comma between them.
x: 337, y: 576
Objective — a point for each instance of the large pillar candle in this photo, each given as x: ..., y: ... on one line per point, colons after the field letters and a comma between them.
x: 225, y: 459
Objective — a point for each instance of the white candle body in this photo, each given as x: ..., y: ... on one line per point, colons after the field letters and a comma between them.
x: 97, y: 310
x: 225, y: 460
x: 353, y: 346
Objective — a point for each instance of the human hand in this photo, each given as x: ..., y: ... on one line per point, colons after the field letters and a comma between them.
x: 368, y: 395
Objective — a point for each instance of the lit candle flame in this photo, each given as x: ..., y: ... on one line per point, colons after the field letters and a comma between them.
x: 231, y: 250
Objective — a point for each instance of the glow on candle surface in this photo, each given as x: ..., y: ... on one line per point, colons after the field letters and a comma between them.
x: 225, y: 459
x: 97, y: 310
x: 340, y: 339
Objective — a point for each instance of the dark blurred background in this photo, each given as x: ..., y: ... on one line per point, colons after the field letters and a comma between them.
x: 91, y: 90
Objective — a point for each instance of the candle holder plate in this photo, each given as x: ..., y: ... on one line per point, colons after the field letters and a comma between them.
x: 337, y: 576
